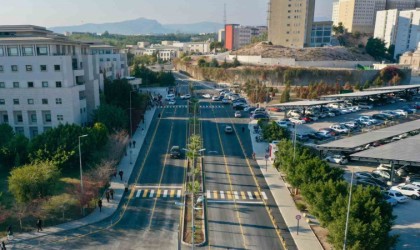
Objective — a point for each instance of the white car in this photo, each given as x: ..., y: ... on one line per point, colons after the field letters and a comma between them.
x: 172, y: 102
x: 293, y: 113
x: 365, y: 106
x: 225, y: 101
x: 408, y: 190
x: 238, y: 114
x: 297, y: 121
x: 170, y: 97
x: 186, y: 96
x: 339, y: 128
x: 284, y: 124
x: 367, y: 175
x: 339, y: 159
x: 401, y: 112
x: 207, y: 96
x: 397, y: 195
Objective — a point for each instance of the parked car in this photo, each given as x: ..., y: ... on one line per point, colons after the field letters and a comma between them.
x: 382, y: 117
x: 207, y: 96
x: 401, y: 112
x: 338, y: 128
x: 367, y: 182
x: 397, y: 195
x: 293, y: 113
x: 363, y: 105
x: 238, y: 114
x: 318, y: 136
x: 260, y: 116
x: 228, y: 129
x: 172, y: 102
x: 367, y: 175
x: 275, y: 109
x: 328, y: 130
x: 390, y: 200
x: 216, y: 98
x: 284, y: 124
x: 186, y: 96
x: 225, y: 101
x: 170, y: 97
x: 408, y: 190
x: 297, y: 120
x: 339, y: 159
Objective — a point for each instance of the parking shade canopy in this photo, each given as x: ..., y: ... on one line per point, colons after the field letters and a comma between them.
x: 405, y: 151
x: 356, y: 95
x: 397, y: 88
x: 302, y: 104
x: 350, y: 144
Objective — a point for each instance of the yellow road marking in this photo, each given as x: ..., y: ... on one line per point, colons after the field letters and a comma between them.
x: 158, y: 193
x: 172, y: 193
x: 257, y: 195
x: 215, y: 194
x: 145, y: 193
x: 243, y: 195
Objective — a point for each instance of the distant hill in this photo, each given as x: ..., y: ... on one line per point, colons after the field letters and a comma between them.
x: 141, y: 26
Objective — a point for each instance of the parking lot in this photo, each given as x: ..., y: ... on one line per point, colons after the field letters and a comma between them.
x: 407, y: 224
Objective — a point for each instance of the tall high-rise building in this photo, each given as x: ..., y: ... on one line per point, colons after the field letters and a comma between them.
x: 335, y: 13
x: 237, y: 36
x: 290, y: 22
x: 408, y: 31
x: 386, y: 26
x: 400, y: 4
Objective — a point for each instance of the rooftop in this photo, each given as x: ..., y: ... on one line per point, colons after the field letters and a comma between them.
x: 398, y: 87
x: 405, y: 151
x: 358, y: 94
x: 351, y: 143
x: 306, y: 103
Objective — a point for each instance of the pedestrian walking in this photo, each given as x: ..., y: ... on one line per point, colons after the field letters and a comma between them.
x: 142, y: 131
x: 243, y: 129
x: 111, y: 192
x: 253, y: 156
x: 10, y: 232
x: 3, y: 246
x: 107, y: 195
x: 121, y: 174
x: 100, y: 205
x: 115, y: 173
x: 134, y: 142
x: 126, y: 187
x: 407, y: 180
x: 159, y: 115
x: 129, y: 144
x: 39, y: 225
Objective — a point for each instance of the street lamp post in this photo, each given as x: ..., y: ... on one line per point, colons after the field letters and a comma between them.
x: 81, y: 171
x: 348, y: 211
x: 294, y: 143
x: 131, y: 124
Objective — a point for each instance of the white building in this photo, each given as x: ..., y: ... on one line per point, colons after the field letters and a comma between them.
x: 335, y: 13
x: 408, y: 31
x: 386, y: 26
x: 221, y: 36
x: 45, y: 79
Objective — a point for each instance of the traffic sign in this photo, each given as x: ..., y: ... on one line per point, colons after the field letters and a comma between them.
x: 266, y: 156
x: 298, y: 217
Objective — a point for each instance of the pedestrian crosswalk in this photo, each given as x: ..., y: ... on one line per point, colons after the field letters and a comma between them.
x: 186, y: 106
x: 210, y: 194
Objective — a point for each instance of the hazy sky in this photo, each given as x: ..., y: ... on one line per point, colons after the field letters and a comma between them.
x: 73, y: 12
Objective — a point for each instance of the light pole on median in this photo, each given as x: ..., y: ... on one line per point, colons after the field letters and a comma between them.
x: 81, y: 172
x: 348, y: 211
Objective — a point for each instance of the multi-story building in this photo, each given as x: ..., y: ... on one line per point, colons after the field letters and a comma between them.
x: 290, y: 22
x: 321, y: 33
x: 360, y: 15
x: 386, y: 26
x: 45, y: 79
x: 221, y: 36
x: 411, y: 59
x: 237, y: 36
x: 408, y: 31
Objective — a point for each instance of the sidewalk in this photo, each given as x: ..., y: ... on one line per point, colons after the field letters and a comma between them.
x: 108, y: 208
x: 306, y: 238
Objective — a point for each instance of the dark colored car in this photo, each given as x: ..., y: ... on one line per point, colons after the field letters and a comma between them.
x: 317, y: 136
x: 260, y: 116
x: 175, y: 152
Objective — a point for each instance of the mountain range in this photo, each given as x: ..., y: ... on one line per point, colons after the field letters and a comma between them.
x: 141, y: 26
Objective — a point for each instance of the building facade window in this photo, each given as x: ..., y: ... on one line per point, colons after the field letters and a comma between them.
x: 15, y: 84
x: 44, y: 101
x: 28, y: 67
x: 2, y: 85
x: 16, y: 101
x: 57, y: 67
x: 58, y: 84
x: 14, y: 68
x: 27, y: 51
x: 47, y: 117
x: 1, y: 51
x: 60, y: 118
x: 58, y: 101
x: 12, y: 51
x: 43, y: 67
x: 19, y: 118
x: 42, y: 50
x: 45, y: 84
x: 33, y: 118
x: 30, y: 84
x: 2, y: 102
x: 30, y: 101
x: 1, y: 68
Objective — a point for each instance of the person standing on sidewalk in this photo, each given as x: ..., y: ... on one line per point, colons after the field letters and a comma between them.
x: 121, y: 174
x: 100, y: 205
x: 3, y: 246
x: 107, y: 195
x: 134, y: 142
x: 111, y: 192
x: 39, y: 225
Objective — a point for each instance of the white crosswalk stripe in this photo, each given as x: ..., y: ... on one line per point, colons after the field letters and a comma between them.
x: 222, y: 194
x: 178, y: 193
x: 264, y: 195
x: 250, y: 195
x: 236, y: 195
x: 138, y: 193
x: 208, y: 194
x: 165, y: 193
x: 152, y: 192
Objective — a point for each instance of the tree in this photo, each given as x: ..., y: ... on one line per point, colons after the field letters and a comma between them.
x: 236, y: 63
x: 6, y: 134
x: 339, y: 29
x: 378, y: 82
x: 202, y: 63
x: 376, y: 48
x: 285, y: 95
x: 273, y: 132
x: 357, y: 86
x: 214, y: 63
x: 33, y: 181
x: 366, y: 85
x: 113, y: 117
